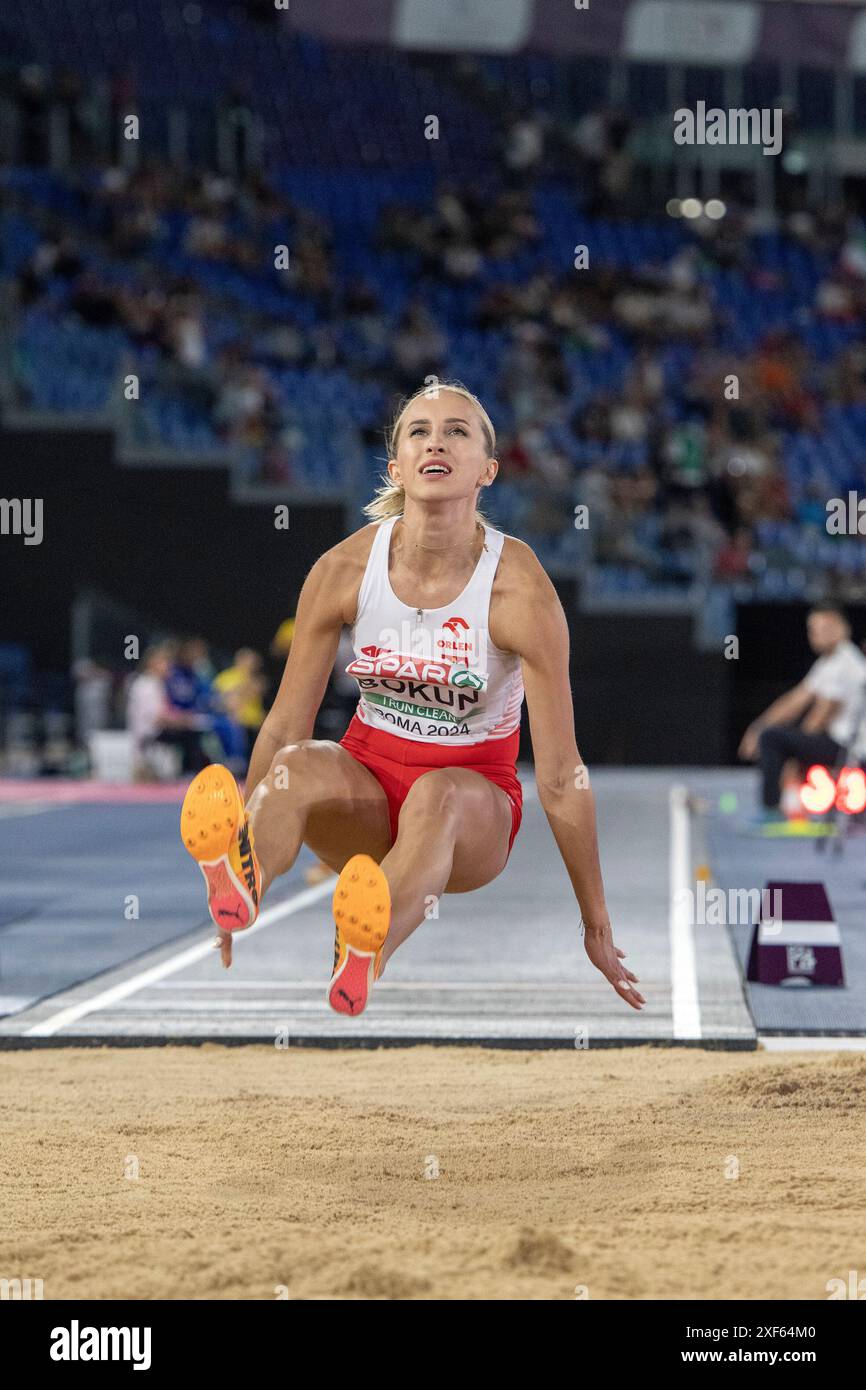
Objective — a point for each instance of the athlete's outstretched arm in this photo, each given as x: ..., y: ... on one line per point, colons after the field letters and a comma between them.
x: 318, y: 623
x: 538, y: 632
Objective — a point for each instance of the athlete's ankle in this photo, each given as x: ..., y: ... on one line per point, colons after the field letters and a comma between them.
x: 269, y: 871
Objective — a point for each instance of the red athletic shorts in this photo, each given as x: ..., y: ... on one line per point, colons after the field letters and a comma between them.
x: 398, y: 762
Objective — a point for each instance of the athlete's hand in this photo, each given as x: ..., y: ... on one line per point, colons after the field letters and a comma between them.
x: 223, y: 943
x: 606, y: 957
x: 748, y: 749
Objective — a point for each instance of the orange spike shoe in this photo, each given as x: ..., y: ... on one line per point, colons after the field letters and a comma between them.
x: 216, y: 831
x: 362, y: 915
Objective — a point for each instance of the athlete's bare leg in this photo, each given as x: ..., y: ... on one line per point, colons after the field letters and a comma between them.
x: 452, y: 835
x: 316, y: 793
x: 452, y: 838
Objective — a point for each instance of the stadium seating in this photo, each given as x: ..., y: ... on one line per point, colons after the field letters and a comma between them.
x: 335, y: 148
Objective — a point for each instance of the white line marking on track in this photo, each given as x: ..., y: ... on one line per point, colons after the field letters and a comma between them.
x: 20, y: 809
x: 143, y: 978
x: 685, y: 1002
x: 792, y: 1043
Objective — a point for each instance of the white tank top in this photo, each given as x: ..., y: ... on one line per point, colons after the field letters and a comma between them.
x: 433, y: 675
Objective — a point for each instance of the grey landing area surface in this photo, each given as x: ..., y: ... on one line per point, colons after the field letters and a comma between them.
x: 504, y: 965
x: 743, y: 859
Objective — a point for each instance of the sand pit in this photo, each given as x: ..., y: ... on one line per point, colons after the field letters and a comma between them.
x: 315, y: 1170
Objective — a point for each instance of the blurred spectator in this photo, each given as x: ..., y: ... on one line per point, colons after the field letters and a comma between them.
x: 187, y: 684
x: 229, y: 730
x: 56, y: 255
x: 244, y: 680
x: 281, y: 644
x: 524, y: 145
x: 734, y: 555
x: 32, y: 101
x: 94, y: 688
x: 152, y: 719
x: 418, y: 348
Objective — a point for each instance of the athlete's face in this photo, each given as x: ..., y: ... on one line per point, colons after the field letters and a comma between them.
x: 441, y: 450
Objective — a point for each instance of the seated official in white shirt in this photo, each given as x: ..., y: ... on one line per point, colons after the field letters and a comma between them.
x: 816, y: 721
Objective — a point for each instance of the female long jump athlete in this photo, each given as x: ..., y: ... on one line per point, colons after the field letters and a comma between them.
x: 451, y: 621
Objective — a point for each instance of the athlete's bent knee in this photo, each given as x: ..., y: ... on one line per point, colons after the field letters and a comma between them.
x: 284, y: 757
x: 292, y: 760
x: 433, y: 794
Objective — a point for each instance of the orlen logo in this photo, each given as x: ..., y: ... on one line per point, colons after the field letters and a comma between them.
x: 460, y: 628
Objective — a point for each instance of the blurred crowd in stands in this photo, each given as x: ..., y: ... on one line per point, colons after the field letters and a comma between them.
x: 622, y: 386
x: 182, y: 713
x: 179, y: 710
